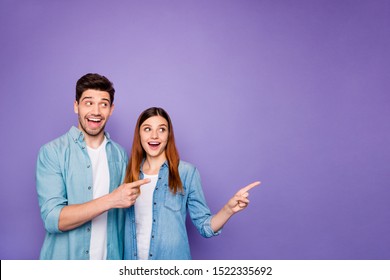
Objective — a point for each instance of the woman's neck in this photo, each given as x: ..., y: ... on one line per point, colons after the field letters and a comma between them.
x: 152, y: 165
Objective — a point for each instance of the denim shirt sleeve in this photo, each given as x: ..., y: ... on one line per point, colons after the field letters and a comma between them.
x: 50, y: 188
x: 199, y: 211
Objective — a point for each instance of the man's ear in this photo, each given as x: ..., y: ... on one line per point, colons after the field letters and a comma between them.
x: 76, y: 107
x: 112, y: 109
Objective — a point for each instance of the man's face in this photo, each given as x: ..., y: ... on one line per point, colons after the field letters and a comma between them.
x: 94, y: 110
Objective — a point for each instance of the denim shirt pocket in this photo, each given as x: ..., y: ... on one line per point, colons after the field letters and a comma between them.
x: 172, y: 201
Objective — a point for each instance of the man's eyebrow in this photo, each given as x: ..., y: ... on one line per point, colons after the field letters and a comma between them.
x: 86, y: 97
x: 90, y: 97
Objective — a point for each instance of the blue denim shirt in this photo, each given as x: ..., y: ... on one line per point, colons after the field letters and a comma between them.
x: 169, y: 238
x: 64, y: 177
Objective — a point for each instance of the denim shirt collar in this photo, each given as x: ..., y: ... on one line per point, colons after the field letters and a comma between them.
x: 164, y: 165
x: 78, y: 135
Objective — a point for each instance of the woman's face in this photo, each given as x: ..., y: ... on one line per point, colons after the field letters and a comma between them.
x: 154, y: 136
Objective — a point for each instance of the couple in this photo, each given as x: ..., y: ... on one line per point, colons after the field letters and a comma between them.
x: 90, y: 195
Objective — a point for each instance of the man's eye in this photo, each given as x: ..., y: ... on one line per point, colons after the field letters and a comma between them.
x: 104, y: 105
x: 88, y: 103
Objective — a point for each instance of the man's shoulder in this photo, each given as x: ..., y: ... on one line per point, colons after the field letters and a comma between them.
x: 116, y: 146
x: 58, y: 143
x: 57, y: 148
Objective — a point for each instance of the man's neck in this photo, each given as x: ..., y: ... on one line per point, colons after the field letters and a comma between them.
x: 94, y: 142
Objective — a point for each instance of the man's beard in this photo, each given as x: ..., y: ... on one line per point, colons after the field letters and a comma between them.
x: 91, y: 132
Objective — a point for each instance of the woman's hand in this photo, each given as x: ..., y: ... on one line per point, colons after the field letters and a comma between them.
x: 240, y: 200
x: 237, y: 203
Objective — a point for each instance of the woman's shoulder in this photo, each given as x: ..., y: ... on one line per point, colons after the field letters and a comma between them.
x: 189, y: 174
x: 186, y: 166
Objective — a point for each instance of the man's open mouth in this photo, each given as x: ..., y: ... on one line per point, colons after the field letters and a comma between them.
x: 97, y: 120
x: 94, y: 122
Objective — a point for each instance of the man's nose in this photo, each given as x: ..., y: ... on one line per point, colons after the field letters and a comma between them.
x: 95, y: 109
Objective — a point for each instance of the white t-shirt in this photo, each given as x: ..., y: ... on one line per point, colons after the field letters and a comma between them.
x: 143, y: 216
x: 101, y: 186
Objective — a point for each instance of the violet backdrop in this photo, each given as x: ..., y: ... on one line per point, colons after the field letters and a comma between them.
x: 292, y: 93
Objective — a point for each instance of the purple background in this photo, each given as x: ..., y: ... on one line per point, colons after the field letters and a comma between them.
x: 292, y: 93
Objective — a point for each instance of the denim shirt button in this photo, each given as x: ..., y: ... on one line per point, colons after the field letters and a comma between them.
x: 89, y: 187
x: 87, y: 252
x: 88, y: 229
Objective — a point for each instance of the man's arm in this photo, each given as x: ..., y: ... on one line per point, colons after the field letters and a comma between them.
x: 56, y: 214
x: 73, y: 216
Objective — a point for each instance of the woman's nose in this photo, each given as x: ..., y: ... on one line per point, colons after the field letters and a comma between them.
x: 154, y: 134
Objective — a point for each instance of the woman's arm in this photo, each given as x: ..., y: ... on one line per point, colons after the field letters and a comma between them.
x: 237, y: 203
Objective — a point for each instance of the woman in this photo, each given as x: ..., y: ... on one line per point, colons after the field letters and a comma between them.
x: 155, y: 226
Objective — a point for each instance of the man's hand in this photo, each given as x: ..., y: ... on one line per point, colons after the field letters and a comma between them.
x: 126, y: 194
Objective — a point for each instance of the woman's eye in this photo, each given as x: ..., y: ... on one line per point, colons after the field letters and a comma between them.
x: 147, y: 129
x: 162, y: 129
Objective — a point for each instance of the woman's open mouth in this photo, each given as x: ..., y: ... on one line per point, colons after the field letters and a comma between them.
x: 154, y: 145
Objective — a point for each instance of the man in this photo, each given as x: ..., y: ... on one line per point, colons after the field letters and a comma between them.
x: 79, y: 178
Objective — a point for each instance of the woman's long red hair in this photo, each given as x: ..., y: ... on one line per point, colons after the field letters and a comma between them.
x: 138, y: 153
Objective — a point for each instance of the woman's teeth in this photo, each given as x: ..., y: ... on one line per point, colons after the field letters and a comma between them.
x: 154, y: 143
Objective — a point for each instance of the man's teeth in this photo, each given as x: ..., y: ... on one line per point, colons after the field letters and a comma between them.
x: 94, y: 120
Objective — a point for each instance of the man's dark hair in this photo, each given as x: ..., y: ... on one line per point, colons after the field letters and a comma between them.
x: 94, y: 81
